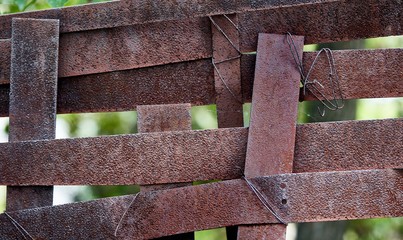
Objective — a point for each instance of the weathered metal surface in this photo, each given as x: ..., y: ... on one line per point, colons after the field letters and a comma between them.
x: 187, y: 82
x: 337, y: 16
x: 309, y: 197
x: 32, y: 103
x: 151, y: 158
x: 114, y: 14
x: 273, y: 120
x: 34, y: 58
x: 381, y: 78
x: 163, y: 118
x: 355, y: 145
x: 274, y: 107
x: 199, y: 155
x: 227, y: 75
x: 363, y: 73
x: 331, y: 21
x: 193, y: 82
x: 267, y: 231
x: 5, y: 61
x: 112, y: 49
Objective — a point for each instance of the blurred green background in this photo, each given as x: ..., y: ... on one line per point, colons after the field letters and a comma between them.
x: 204, y: 117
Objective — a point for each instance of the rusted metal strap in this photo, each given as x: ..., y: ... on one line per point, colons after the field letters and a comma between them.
x: 226, y: 63
x: 163, y: 118
x: 302, y: 197
x: 193, y: 82
x: 135, y: 46
x: 273, y: 122
x: 354, y: 83
x: 274, y: 108
x: 198, y: 155
x: 5, y: 61
x: 227, y: 71
x: 305, y: 13
x: 308, y: 20
x: 381, y: 61
x: 32, y: 102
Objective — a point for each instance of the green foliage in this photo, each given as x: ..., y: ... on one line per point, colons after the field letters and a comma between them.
x: 57, y: 3
x: 15, y: 6
x: 375, y: 229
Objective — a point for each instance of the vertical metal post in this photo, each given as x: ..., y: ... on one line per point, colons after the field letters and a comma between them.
x: 227, y: 72
x: 227, y: 78
x: 161, y: 118
x: 273, y: 120
x: 33, y: 93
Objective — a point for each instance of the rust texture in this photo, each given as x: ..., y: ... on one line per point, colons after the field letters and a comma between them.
x: 274, y: 107
x: 267, y: 231
x: 331, y: 21
x: 193, y: 82
x: 163, y: 118
x: 187, y: 82
x: 227, y: 76
x: 33, y: 102
x: 5, y: 61
x: 310, y: 197
x: 336, y: 23
x: 149, y: 158
x: 200, y: 155
x: 114, y: 14
x: 355, y: 145
x: 112, y: 49
x: 125, y: 47
x: 363, y: 73
x: 382, y: 78
x: 273, y: 120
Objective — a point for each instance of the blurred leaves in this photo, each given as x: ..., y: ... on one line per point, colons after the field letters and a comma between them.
x: 15, y: 6
x: 57, y: 3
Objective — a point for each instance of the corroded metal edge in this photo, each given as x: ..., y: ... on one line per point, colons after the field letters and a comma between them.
x: 273, y: 120
x: 213, y: 154
x: 193, y: 82
x: 130, y: 12
x: 150, y: 44
x: 33, y: 102
x: 301, y: 197
x: 165, y: 118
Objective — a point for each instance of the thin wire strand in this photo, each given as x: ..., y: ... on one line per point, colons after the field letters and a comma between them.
x: 224, y: 34
x: 19, y: 227
x: 263, y: 200
x: 228, y: 59
x: 124, y: 214
x: 337, y: 101
x: 233, y: 24
x: 225, y: 83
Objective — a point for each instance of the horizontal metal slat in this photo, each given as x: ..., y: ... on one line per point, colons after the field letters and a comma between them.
x: 304, y: 197
x: 193, y: 82
x: 134, y: 46
x: 171, y: 157
x: 130, y: 12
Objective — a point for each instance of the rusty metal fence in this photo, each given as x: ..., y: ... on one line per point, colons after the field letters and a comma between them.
x: 160, y: 58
